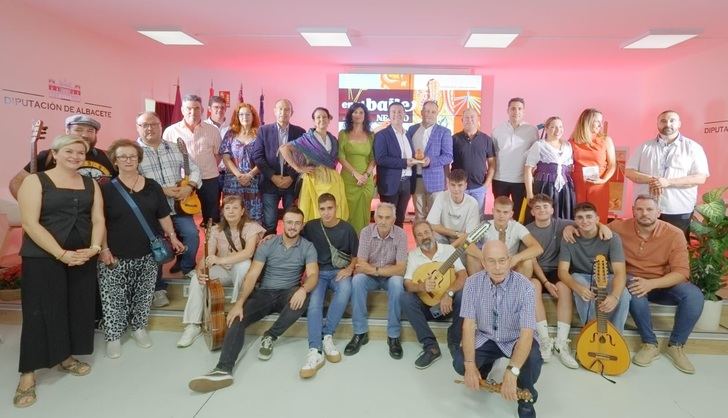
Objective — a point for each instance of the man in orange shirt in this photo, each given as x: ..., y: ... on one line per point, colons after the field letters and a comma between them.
x: 657, y: 271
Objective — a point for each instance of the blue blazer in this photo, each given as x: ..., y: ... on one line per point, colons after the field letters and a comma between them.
x: 265, y: 155
x: 390, y: 163
x: 439, y: 149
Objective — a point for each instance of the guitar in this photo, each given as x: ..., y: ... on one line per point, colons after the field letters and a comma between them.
x: 38, y: 132
x: 191, y: 204
x: 600, y: 348
x: 443, y: 272
x: 493, y: 387
x: 213, y: 316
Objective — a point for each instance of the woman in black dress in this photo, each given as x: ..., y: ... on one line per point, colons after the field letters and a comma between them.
x: 63, y: 225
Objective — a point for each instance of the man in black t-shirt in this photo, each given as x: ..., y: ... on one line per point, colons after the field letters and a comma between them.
x: 335, y: 274
x: 96, y: 166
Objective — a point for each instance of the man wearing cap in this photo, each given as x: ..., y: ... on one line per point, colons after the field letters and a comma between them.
x: 203, y: 143
x: 96, y: 166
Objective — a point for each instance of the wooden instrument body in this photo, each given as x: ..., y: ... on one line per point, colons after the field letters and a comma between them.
x: 190, y: 205
x: 442, y: 281
x: 600, y: 348
x: 493, y: 387
x: 213, y: 314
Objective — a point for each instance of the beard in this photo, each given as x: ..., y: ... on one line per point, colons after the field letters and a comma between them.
x: 667, y: 131
x: 427, y: 244
x: 290, y: 234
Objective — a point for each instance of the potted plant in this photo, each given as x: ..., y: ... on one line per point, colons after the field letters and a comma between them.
x: 709, y: 254
x: 10, y: 283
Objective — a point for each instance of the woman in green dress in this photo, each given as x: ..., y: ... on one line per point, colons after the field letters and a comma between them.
x: 356, y: 156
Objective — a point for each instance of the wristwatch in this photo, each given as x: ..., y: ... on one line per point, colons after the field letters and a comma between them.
x: 513, y: 369
x: 451, y: 293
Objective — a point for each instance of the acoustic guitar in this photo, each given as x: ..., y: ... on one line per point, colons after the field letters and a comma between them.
x: 493, y: 387
x: 443, y: 272
x: 213, y: 316
x: 600, y: 348
x: 190, y: 205
x: 38, y: 133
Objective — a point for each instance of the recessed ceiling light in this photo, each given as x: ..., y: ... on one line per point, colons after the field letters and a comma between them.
x: 491, y: 38
x: 325, y: 37
x: 660, y: 40
x: 170, y: 37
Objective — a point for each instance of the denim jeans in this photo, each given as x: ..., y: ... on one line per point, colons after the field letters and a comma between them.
x: 342, y: 292
x: 209, y: 195
x: 418, y: 314
x: 479, y: 194
x: 689, y: 301
x: 187, y: 231
x: 587, y: 310
x: 270, y: 208
x: 259, y: 304
x: 489, y: 352
x: 362, y: 284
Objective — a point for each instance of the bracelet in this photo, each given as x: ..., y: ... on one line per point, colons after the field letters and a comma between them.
x: 105, y: 249
x: 171, y: 234
x: 62, y: 254
x: 97, y: 248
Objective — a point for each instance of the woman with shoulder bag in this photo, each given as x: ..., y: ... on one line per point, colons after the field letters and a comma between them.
x: 127, y: 268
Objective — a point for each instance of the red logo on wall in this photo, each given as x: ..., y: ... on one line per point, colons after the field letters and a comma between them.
x: 64, y: 90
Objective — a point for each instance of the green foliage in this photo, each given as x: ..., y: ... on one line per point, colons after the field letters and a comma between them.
x: 709, y: 244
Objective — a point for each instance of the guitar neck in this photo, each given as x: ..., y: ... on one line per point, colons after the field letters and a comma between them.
x: 451, y: 260
x: 602, y: 317
x: 34, y: 157
x: 186, y: 164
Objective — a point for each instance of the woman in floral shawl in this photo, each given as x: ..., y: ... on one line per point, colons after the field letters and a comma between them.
x: 314, y: 155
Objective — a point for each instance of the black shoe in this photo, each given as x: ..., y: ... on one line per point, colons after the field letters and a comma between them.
x: 526, y: 410
x: 176, y: 268
x: 395, y: 348
x: 355, y: 344
x: 429, y: 356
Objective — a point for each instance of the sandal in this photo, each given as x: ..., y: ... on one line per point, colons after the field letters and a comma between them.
x: 76, y: 368
x: 21, y: 394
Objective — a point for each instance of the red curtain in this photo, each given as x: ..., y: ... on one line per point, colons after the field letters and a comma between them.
x: 165, y: 112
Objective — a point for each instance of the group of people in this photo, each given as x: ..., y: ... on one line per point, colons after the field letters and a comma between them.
x: 86, y: 232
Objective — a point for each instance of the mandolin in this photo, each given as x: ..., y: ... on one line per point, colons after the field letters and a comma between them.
x: 38, y: 132
x: 443, y: 272
x: 191, y: 204
x: 213, y: 316
x: 600, y: 348
x: 493, y: 387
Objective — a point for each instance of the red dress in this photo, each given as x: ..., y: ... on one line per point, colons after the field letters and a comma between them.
x: 585, y: 156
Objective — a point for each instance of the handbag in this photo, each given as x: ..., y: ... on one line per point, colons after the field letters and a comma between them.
x: 339, y: 259
x: 161, y: 247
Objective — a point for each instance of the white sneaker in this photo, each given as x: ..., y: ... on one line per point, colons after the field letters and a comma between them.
x: 314, y: 361
x: 160, y: 299
x: 142, y: 338
x: 547, y: 347
x: 113, y: 349
x: 190, y: 334
x: 332, y: 353
x: 563, y: 349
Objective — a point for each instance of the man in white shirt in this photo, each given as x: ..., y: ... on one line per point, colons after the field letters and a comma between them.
x: 218, y: 107
x: 512, y: 139
x: 670, y: 167
x: 455, y: 214
x: 203, y: 144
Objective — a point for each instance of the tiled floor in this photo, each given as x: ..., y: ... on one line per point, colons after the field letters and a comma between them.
x: 153, y: 383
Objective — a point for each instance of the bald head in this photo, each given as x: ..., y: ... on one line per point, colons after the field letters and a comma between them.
x: 496, y: 260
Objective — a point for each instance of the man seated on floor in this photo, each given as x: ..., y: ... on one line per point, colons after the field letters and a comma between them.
x: 454, y: 215
x: 416, y: 311
x: 328, y: 234
x: 576, y: 267
x: 285, y: 258
x: 657, y: 271
x: 380, y: 264
x: 514, y: 235
x: 548, y: 231
x: 496, y: 326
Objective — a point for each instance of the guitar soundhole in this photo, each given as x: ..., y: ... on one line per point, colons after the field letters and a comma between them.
x: 602, y: 340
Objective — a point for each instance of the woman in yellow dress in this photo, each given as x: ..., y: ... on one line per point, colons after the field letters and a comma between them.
x: 314, y: 155
x: 356, y: 155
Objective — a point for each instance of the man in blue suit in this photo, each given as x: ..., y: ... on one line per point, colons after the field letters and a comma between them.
x: 278, y: 178
x: 436, y: 143
x: 393, y: 153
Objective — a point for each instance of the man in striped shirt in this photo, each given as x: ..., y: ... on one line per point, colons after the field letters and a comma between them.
x: 499, y: 321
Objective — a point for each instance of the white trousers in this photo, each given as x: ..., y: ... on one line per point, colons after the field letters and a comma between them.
x: 196, y: 296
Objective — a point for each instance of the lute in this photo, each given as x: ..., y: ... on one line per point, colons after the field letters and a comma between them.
x: 38, y: 133
x: 493, y: 387
x: 190, y: 205
x: 213, y: 315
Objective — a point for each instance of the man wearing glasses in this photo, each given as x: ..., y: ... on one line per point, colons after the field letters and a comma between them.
x: 499, y: 321
x: 162, y: 162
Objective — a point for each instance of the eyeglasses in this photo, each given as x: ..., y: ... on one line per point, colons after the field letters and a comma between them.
x: 127, y: 157
x: 148, y: 125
